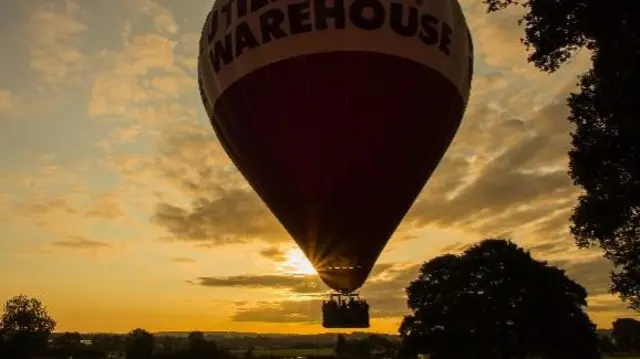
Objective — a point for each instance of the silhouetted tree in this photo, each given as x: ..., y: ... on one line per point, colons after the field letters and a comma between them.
x: 496, y: 301
x: 605, y: 155
x: 140, y: 344
x: 606, y: 345
x: 170, y: 343
x: 108, y: 342
x: 626, y: 334
x: 200, y: 348
x: 68, y: 342
x: 25, y: 327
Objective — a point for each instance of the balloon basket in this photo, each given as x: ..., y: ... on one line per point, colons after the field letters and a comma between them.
x: 345, y: 311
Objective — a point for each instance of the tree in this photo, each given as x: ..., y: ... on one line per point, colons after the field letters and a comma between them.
x: 25, y: 327
x: 69, y: 342
x: 604, y: 156
x: 606, y: 345
x: 200, y: 348
x: 501, y: 303
x: 626, y: 334
x: 140, y: 344
x: 108, y: 342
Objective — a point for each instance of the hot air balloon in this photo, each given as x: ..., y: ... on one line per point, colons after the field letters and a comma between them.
x: 336, y: 112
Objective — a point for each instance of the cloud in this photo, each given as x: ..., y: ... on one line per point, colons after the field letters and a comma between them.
x: 81, y: 243
x: 384, y: 292
x: 381, y: 269
x: 42, y: 206
x: 162, y: 17
x: 561, y: 245
x: 235, y: 216
x: 223, y: 209
x: 53, y: 36
x: 591, y: 273
x: 456, y: 248
x: 188, y: 42
x: 500, y: 44
x: 299, y: 284
x: 172, y: 85
x: 611, y: 305
x: 391, y: 285
x: 274, y: 253
x: 386, y: 273
x: 183, y: 260
x: 501, y: 173
x: 303, y: 311
x: 105, y: 206
x: 8, y: 101
x: 310, y: 310
x: 70, y: 203
x: 119, y: 90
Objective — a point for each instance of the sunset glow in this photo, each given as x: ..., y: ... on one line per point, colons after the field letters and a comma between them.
x: 297, y: 263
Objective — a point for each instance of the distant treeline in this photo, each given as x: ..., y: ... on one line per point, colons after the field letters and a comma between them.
x: 232, y: 341
x: 140, y: 344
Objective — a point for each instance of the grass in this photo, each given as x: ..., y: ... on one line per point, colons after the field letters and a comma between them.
x: 261, y: 352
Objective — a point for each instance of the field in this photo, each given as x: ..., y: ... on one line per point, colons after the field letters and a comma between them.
x: 260, y: 352
x: 325, y: 352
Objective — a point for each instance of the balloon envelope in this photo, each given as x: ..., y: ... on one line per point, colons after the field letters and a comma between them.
x: 336, y: 112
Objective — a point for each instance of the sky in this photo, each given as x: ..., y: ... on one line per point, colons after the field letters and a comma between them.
x: 119, y: 208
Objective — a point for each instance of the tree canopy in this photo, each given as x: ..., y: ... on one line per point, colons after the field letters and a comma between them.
x: 25, y: 327
x: 605, y: 152
x: 626, y: 334
x: 501, y: 303
x: 200, y: 347
x: 140, y: 344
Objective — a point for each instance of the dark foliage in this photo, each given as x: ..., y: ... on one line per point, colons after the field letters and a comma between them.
x: 626, y: 334
x: 25, y: 327
x: 605, y: 152
x: 501, y: 303
x: 140, y: 344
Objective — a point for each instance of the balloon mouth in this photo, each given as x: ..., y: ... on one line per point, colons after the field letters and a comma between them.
x: 343, y: 279
x: 338, y: 268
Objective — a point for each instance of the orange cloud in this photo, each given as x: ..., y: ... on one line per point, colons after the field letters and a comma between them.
x: 8, y: 101
x: 53, y: 38
x: 106, y: 206
x: 274, y: 253
x: 300, y: 284
x: 183, y: 260
x: 75, y: 242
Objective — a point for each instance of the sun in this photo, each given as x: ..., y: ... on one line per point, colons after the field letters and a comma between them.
x: 297, y: 263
